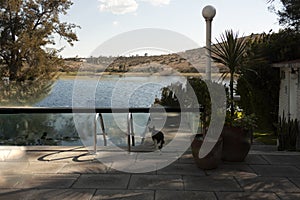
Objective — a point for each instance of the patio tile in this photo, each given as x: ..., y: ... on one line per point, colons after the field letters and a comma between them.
x: 64, y: 156
x: 158, y: 157
x: 124, y: 194
x: 250, y: 159
x: 210, y: 183
x: 37, y: 181
x: 230, y: 170
x: 255, y: 160
x: 10, y: 181
x: 115, y: 171
x: 132, y: 169
x: 70, y: 173
x: 49, y: 181
x: 111, y: 170
x: 247, y: 195
x: 289, y: 196
x: 182, y: 169
x: 39, y: 167
x: 102, y: 181
x: 173, y: 182
x: 138, y: 162
x: 54, y: 153
x: 4, y: 155
x: 186, y: 158
x: 167, y: 194
x: 84, y: 157
x: 12, y: 155
x: 296, y: 181
x: 121, y: 160
x: 53, y: 148
x: 84, y: 168
x: 36, y: 155
x: 283, y: 159
x: 63, y: 194
x: 268, y: 184
x: 276, y: 170
x: 260, y: 148
x: 13, y: 167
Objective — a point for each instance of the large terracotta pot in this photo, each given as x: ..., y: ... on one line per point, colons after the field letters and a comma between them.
x: 236, y: 144
x: 213, y: 159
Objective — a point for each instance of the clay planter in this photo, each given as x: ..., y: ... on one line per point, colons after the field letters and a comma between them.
x: 236, y: 144
x: 213, y: 159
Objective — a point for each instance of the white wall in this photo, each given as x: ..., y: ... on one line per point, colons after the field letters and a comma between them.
x: 289, y: 96
x: 283, y: 93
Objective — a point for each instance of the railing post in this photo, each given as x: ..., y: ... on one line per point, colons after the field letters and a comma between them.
x: 128, y: 133
x: 103, y: 129
x: 95, y: 132
x: 132, y: 130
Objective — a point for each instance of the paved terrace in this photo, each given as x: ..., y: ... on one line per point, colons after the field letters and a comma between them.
x: 71, y: 173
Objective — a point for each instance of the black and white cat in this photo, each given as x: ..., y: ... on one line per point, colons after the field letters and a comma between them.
x: 157, y: 137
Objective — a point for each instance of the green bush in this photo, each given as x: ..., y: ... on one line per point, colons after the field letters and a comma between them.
x: 175, y: 94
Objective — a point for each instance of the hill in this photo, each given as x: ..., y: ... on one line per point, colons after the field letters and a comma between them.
x: 191, y: 61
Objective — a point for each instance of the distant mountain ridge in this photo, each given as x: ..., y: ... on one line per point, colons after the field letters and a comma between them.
x: 190, y: 61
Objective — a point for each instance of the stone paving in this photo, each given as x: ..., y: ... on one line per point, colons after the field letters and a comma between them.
x: 71, y: 173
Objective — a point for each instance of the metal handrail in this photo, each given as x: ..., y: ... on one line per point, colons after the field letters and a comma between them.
x: 98, y: 112
x: 50, y: 110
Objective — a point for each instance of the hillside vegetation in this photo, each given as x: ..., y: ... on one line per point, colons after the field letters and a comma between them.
x: 191, y: 61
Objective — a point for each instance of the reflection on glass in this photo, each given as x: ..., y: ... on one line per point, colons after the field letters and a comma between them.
x: 25, y: 93
x: 59, y: 129
x: 38, y: 129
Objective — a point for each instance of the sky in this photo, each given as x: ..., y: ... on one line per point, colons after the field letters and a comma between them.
x: 101, y: 20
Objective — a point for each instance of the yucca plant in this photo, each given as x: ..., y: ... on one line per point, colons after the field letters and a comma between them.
x: 230, y: 51
x: 288, y: 134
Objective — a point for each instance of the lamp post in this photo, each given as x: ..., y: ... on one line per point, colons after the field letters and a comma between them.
x: 208, y: 13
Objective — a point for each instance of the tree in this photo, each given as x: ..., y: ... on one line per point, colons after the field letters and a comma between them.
x: 259, y: 82
x: 26, y: 27
x: 289, y: 14
x: 230, y: 51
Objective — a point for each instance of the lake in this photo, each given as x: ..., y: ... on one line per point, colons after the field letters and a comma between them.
x: 107, y: 91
